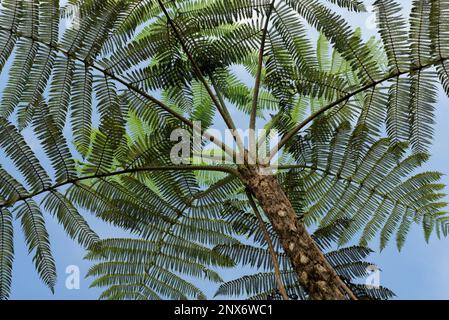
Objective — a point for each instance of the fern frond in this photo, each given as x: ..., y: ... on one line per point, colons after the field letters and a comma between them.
x: 74, y: 224
x: 6, y: 253
x: 37, y: 238
x: 15, y: 146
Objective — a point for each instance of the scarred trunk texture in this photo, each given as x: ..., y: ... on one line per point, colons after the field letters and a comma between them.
x: 315, y: 274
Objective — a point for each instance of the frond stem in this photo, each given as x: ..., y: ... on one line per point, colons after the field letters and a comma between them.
x: 220, y: 107
x: 10, y: 203
x: 348, y: 96
x: 253, y: 115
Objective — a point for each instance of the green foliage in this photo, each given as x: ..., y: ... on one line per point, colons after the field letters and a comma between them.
x: 375, y: 188
x: 175, y: 222
x: 129, y: 72
x: 36, y: 236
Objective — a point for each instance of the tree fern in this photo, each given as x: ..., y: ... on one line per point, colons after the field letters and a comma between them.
x: 153, y: 67
x: 315, y: 193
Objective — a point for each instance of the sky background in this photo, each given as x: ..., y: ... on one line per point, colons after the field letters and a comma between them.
x: 420, y: 271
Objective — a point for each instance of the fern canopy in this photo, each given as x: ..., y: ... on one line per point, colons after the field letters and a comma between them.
x: 102, y: 85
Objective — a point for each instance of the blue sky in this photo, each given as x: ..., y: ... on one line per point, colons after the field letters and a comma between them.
x: 420, y: 271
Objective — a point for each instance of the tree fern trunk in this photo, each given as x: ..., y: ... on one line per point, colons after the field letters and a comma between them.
x: 315, y: 274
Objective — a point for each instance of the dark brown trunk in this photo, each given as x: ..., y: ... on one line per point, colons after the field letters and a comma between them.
x: 315, y: 274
